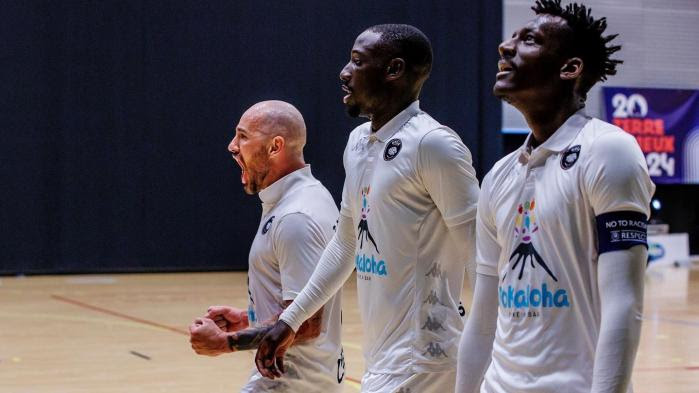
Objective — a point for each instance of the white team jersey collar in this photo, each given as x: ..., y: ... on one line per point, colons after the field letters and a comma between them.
x: 397, y: 122
x: 274, y: 192
x: 563, y: 136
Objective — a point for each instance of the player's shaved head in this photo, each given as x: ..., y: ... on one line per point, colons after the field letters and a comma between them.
x: 278, y: 118
x: 268, y: 143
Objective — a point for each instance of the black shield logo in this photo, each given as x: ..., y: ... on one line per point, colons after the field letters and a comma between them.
x: 392, y: 149
x: 268, y: 224
x: 570, y: 157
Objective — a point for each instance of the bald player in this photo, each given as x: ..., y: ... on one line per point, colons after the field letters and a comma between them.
x: 298, y: 215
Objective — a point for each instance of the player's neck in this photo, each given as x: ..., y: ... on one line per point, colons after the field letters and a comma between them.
x: 546, y: 118
x: 394, y: 106
x: 279, y: 171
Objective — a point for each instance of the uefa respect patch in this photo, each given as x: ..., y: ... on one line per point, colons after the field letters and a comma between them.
x: 621, y: 230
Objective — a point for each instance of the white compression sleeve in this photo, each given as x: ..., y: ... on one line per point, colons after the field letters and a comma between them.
x: 476, y: 343
x: 620, y: 279
x: 334, y: 268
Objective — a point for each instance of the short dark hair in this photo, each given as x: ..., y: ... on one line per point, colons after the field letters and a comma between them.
x: 587, y: 40
x: 408, y: 43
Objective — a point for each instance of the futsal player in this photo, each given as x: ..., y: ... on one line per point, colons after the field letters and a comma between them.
x: 407, y: 222
x: 561, y: 224
x: 298, y: 216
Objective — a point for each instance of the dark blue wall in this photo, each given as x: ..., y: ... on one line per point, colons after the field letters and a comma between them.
x: 115, y: 117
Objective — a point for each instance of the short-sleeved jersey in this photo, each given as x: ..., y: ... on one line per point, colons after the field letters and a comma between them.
x: 298, y: 217
x: 536, y: 230
x: 405, y: 185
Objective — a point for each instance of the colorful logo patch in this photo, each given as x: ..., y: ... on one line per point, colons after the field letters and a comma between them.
x: 363, y: 227
x: 525, y: 228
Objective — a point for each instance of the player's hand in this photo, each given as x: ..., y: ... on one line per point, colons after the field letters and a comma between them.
x: 207, y: 338
x: 229, y: 319
x: 270, y: 355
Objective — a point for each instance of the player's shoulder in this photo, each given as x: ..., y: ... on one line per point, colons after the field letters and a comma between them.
x: 313, y: 201
x: 608, y: 142
x: 432, y: 135
x: 503, y: 167
x: 360, y: 131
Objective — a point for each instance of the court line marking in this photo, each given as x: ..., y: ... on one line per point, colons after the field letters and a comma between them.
x: 684, y: 368
x: 675, y: 321
x: 66, y: 318
x: 118, y: 314
x: 353, y: 382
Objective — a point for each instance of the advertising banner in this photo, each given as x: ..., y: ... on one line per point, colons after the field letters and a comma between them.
x: 665, y: 123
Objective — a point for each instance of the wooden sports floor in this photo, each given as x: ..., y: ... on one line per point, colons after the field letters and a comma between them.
x: 128, y: 333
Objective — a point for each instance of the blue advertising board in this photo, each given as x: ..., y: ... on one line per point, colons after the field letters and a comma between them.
x: 665, y: 123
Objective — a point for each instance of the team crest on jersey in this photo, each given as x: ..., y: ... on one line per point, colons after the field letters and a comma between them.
x: 268, y: 224
x: 570, y: 157
x: 392, y: 149
x: 525, y: 229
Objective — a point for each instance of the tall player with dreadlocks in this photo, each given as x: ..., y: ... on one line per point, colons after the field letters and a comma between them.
x: 561, y: 225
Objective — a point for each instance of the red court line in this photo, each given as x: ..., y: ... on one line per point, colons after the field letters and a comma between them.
x: 118, y: 314
x: 131, y: 318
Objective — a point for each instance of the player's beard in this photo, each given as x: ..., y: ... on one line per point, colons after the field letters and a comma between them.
x: 353, y: 110
x: 257, y: 171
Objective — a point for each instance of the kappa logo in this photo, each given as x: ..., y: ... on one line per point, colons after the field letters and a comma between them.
x: 570, y: 157
x: 392, y: 149
x: 432, y: 324
x: 435, y: 350
x: 268, y: 224
x: 433, y: 299
x: 435, y: 271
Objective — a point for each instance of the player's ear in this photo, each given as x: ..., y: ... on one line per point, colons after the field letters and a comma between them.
x: 276, y: 145
x: 395, y: 69
x: 572, y: 69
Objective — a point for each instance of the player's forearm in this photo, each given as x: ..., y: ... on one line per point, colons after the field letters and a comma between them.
x: 333, y: 269
x: 247, y: 339
x: 476, y: 343
x: 310, y: 329
x: 250, y: 338
x: 621, y: 286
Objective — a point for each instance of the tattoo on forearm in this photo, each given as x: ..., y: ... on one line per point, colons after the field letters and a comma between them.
x: 247, y: 339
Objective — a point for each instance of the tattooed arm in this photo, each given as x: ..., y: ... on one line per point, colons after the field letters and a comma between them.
x: 208, y: 339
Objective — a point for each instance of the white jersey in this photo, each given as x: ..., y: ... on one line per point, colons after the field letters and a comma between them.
x: 298, y: 216
x: 405, y: 185
x: 537, y: 231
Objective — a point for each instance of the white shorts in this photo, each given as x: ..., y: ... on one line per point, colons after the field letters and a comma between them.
x: 444, y: 382
x: 289, y: 383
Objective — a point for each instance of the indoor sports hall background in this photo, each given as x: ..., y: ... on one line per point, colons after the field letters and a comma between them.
x: 115, y: 117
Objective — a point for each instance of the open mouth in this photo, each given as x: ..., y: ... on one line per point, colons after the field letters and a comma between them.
x: 347, y: 90
x: 504, y: 68
x: 243, y: 173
